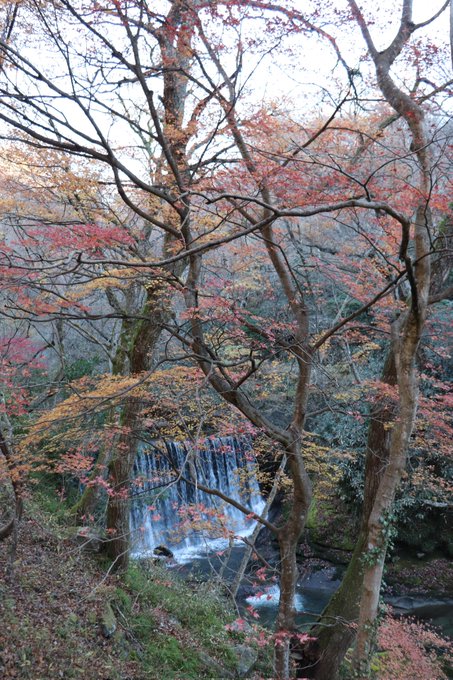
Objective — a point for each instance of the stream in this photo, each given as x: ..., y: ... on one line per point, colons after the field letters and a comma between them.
x: 226, y: 464
x: 313, y: 591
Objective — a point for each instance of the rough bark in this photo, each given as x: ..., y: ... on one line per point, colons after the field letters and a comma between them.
x: 10, y: 527
x: 406, y: 333
x: 358, y: 597
x: 117, y: 544
x: 176, y: 54
x: 335, y: 631
x: 89, y: 503
x: 379, y: 518
x: 142, y: 349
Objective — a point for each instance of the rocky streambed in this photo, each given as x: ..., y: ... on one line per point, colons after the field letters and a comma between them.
x: 415, y: 587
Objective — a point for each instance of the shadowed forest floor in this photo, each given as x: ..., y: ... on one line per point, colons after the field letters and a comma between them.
x: 63, y: 617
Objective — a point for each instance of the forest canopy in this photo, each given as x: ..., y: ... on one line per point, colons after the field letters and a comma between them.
x: 232, y: 220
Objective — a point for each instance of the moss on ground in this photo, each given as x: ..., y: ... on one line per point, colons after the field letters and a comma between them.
x: 174, y: 625
x: 53, y: 610
x: 329, y: 524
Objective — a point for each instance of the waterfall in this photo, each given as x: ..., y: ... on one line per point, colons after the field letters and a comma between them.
x: 169, y: 511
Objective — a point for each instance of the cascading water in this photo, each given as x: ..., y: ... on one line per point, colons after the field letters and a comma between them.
x: 169, y: 510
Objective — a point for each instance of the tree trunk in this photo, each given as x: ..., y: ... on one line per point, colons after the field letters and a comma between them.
x: 288, y: 538
x: 406, y: 337
x: 117, y: 545
x: 10, y: 528
x: 175, y: 49
x: 156, y: 313
x: 89, y: 503
x: 383, y: 473
x: 406, y: 330
x: 335, y: 630
x: 286, y: 610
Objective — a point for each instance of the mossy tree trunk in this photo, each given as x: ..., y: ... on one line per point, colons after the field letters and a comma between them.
x: 175, y: 46
x: 336, y: 628
x: 143, y: 346
x: 139, y: 340
x: 91, y: 500
x: 383, y: 474
x: 406, y: 329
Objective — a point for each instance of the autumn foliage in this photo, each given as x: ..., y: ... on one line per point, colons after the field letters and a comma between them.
x: 207, y: 230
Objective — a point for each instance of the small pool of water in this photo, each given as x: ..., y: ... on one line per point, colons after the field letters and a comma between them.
x: 313, y: 592
x: 311, y: 597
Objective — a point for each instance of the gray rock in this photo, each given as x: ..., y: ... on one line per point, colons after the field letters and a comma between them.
x: 422, y: 607
x: 214, y: 666
x: 108, y: 621
x: 88, y: 539
x: 325, y: 580
x: 163, y: 551
x: 246, y: 659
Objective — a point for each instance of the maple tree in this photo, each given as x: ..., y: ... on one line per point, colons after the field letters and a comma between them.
x: 215, y: 212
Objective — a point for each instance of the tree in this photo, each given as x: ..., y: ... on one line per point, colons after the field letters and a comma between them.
x: 138, y: 336
x: 19, y: 358
x: 213, y: 188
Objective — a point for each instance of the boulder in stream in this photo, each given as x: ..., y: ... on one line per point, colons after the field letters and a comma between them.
x: 163, y: 551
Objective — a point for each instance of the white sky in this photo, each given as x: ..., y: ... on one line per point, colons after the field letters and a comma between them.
x: 304, y: 76
x: 314, y: 61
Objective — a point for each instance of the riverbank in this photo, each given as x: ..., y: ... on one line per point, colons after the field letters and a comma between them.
x: 64, y: 615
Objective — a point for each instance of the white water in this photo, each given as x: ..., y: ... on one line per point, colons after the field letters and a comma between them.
x: 159, y: 509
x: 270, y: 597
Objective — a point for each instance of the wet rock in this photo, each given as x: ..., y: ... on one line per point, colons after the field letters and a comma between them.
x: 330, y: 554
x: 421, y: 607
x: 163, y: 551
x: 325, y: 579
